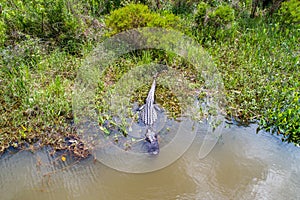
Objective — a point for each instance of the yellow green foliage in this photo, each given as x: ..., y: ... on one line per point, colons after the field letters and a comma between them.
x: 223, y: 15
x: 138, y: 15
x: 215, y: 16
x: 289, y: 13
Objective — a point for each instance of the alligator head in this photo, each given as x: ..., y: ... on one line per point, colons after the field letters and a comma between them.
x: 152, y: 142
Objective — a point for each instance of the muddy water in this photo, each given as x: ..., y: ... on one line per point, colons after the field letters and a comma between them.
x: 242, y: 165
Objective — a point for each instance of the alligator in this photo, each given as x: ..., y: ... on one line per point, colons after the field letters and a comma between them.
x: 148, y: 115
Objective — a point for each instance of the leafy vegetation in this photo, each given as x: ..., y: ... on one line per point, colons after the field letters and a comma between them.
x: 60, y: 23
x: 289, y: 13
x: 282, y: 116
x: 43, y: 43
x: 138, y: 15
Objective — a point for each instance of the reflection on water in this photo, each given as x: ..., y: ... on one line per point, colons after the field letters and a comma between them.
x: 242, y: 165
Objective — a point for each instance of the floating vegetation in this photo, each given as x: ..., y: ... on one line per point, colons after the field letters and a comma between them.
x: 58, y: 138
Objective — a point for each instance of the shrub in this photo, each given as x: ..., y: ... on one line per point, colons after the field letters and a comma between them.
x: 222, y: 16
x: 167, y: 20
x: 138, y: 15
x: 128, y: 17
x: 217, y: 17
x: 289, y: 13
x: 41, y: 18
x: 54, y: 20
x: 215, y: 22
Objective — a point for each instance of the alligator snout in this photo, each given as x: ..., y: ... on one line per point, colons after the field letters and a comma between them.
x: 152, y: 142
x: 153, y: 147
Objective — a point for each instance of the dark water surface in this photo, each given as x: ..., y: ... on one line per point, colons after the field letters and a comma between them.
x: 243, y: 165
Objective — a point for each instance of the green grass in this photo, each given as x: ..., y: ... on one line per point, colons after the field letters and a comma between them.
x: 260, y: 69
x: 36, y: 89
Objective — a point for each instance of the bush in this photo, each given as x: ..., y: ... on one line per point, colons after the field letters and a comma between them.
x: 222, y: 16
x: 166, y: 20
x: 215, y: 22
x: 217, y: 17
x: 128, y: 17
x: 289, y: 13
x: 56, y: 21
x: 138, y: 15
x: 41, y: 18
